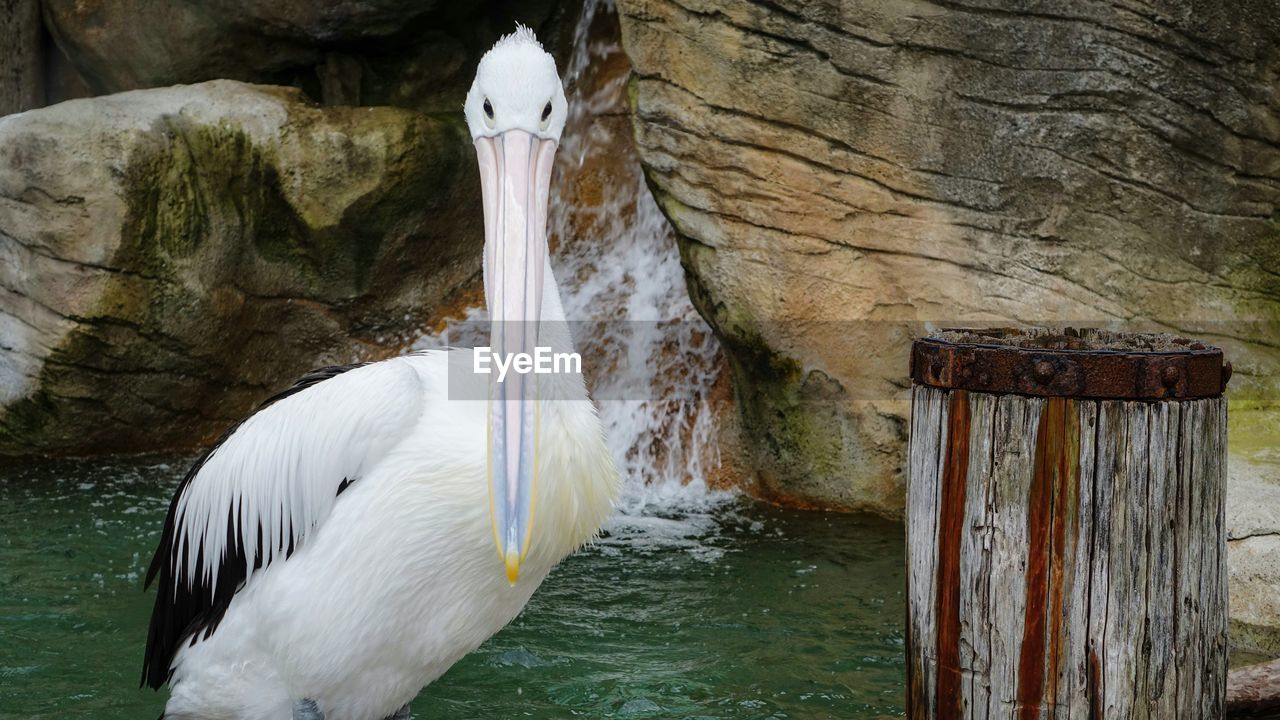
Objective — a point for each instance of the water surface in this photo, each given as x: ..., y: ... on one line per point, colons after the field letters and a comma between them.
x: 718, y: 609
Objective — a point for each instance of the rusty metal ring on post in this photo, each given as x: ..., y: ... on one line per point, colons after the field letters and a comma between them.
x: 1068, y: 364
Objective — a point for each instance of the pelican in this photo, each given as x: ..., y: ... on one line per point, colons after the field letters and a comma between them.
x: 363, y: 530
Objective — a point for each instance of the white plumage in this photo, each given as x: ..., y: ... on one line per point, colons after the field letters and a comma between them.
x: 282, y: 467
x: 337, y: 549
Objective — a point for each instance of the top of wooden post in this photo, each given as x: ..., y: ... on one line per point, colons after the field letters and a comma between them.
x: 1085, y: 363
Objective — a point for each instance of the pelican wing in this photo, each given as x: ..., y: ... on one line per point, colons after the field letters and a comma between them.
x: 253, y: 498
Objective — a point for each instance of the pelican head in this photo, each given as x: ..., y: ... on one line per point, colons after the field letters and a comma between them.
x: 515, y: 110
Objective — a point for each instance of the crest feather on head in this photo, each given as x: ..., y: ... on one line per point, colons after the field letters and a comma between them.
x: 516, y: 81
x: 522, y: 35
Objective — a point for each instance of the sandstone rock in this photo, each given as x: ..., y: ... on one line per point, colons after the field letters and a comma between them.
x: 407, y: 53
x: 840, y: 172
x: 168, y: 257
x: 1254, y: 691
x: 1253, y: 557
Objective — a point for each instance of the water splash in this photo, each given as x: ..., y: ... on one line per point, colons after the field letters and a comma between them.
x: 618, y: 268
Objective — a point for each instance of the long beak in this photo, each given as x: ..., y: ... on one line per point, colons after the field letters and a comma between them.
x: 515, y: 177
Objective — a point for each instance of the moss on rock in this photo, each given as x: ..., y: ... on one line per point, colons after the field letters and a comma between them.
x: 229, y: 238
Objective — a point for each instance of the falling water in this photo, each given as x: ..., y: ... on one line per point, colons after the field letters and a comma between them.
x: 618, y: 264
x: 652, y: 362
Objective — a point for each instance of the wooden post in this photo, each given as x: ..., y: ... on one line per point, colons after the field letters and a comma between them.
x: 1066, y: 549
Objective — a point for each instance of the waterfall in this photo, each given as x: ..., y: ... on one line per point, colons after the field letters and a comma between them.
x: 651, y: 360
x: 618, y: 265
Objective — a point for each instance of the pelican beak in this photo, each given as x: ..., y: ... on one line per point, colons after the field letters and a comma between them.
x: 515, y: 177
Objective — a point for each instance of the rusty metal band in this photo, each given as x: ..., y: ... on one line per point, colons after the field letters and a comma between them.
x: 1095, y: 374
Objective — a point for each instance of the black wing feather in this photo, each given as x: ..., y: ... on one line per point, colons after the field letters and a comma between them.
x: 190, y: 607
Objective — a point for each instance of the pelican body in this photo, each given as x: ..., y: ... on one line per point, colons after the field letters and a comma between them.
x: 342, y: 547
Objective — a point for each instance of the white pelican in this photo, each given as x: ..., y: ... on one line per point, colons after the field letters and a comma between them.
x: 335, y: 552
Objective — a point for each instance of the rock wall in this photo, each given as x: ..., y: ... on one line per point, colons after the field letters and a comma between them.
x: 172, y: 256
x: 168, y: 257
x: 1253, y: 547
x: 840, y: 172
x: 406, y: 53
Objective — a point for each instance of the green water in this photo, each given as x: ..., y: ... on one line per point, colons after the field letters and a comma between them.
x: 739, y: 611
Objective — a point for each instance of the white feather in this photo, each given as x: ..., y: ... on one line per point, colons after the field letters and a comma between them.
x: 282, y: 467
x: 399, y: 578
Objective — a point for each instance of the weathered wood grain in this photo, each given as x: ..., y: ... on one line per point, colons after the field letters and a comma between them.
x: 1067, y: 558
x: 955, y: 471
x: 975, y: 579
x: 1012, y: 447
x: 928, y: 434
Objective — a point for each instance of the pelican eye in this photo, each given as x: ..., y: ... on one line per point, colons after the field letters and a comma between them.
x: 546, y: 116
x: 488, y: 114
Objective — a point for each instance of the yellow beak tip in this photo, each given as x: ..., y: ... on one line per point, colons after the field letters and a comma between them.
x: 512, y: 561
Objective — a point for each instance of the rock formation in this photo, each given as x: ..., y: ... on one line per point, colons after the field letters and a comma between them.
x: 1253, y: 558
x: 171, y: 256
x: 840, y: 172
x: 406, y: 53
